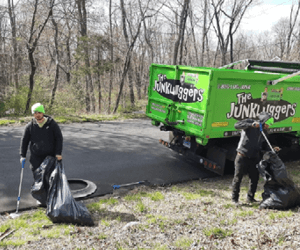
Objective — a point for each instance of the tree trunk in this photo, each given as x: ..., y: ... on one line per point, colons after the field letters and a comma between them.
x: 204, y: 32
x: 183, y: 17
x: 56, y: 63
x: 111, y: 59
x: 32, y: 45
x: 99, y: 80
x: 130, y: 77
x: 83, y: 31
x: 11, y: 12
x: 126, y: 67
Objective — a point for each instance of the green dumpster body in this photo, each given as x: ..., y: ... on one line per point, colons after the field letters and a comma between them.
x: 205, y: 103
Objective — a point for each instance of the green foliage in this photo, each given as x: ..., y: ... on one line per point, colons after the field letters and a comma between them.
x: 2, y: 108
x: 15, y: 103
x: 68, y: 100
x: 7, y: 122
x: 129, y: 108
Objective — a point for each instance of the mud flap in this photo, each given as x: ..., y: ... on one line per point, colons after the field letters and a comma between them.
x: 218, y: 155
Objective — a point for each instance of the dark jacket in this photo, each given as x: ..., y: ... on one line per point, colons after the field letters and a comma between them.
x: 252, y: 142
x: 43, y: 141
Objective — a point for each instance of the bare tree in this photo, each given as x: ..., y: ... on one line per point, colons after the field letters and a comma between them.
x: 180, y: 38
x: 90, y: 98
x: 57, y: 60
x: 12, y: 18
x: 129, y: 52
x: 130, y: 76
x: 233, y: 12
x: 111, y: 57
x: 292, y: 23
x: 280, y: 29
x: 33, y: 42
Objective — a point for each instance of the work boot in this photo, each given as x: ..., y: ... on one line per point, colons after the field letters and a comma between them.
x: 235, y: 202
x: 251, y: 200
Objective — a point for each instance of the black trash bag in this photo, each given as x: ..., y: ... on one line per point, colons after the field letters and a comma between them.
x: 39, y: 189
x: 280, y: 192
x: 61, y: 206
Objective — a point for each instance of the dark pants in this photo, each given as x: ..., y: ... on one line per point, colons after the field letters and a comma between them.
x: 36, y: 161
x: 244, y: 165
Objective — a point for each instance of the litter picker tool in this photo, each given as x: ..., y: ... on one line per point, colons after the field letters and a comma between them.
x: 261, y: 130
x: 129, y: 184
x: 16, y: 214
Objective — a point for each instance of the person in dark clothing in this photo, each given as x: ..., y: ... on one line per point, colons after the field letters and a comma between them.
x: 44, y: 136
x: 249, y: 149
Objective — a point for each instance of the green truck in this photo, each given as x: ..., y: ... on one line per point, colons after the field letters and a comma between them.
x: 199, y: 106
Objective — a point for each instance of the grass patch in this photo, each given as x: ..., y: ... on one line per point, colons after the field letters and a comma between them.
x: 198, y: 194
x: 159, y: 247
x: 191, y: 196
x: 244, y: 213
x: 105, y: 223
x: 228, y: 206
x: 29, y: 227
x: 14, y: 243
x: 155, y: 219
x: 183, y: 243
x: 156, y: 196
x: 216, y: 232
x: 140, y: 207
x: 98, y: 206
x: 280, y: 215
x: 102, y: 236
x: 228, y: 222
x: 136, y: 197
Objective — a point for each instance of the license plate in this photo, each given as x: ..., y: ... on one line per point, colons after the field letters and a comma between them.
x: 187, y: 144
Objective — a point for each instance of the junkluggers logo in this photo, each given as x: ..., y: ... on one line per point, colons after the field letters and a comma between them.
x: 247, y: 107
x: 177, y: 90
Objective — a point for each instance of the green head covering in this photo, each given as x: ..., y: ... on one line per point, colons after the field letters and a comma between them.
x: 37, y: 108
x: 270, y: 122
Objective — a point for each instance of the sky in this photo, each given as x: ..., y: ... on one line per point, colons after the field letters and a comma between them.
x: 265, y: 15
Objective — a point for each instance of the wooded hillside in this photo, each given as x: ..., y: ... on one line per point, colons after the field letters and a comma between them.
x: 94, y: 55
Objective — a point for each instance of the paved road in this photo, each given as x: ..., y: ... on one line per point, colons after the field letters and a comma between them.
x: 106, y: 153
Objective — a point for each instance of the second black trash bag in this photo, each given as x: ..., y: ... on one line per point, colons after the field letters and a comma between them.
x: 39, y: 189
x: 61, y: 206
x: 280, y: 192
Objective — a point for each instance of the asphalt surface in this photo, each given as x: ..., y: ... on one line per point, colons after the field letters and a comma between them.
x: 106, y: 153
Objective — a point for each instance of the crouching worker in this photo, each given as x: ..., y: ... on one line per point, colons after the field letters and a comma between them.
x: 249, y: 149
x: 44, y: 136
